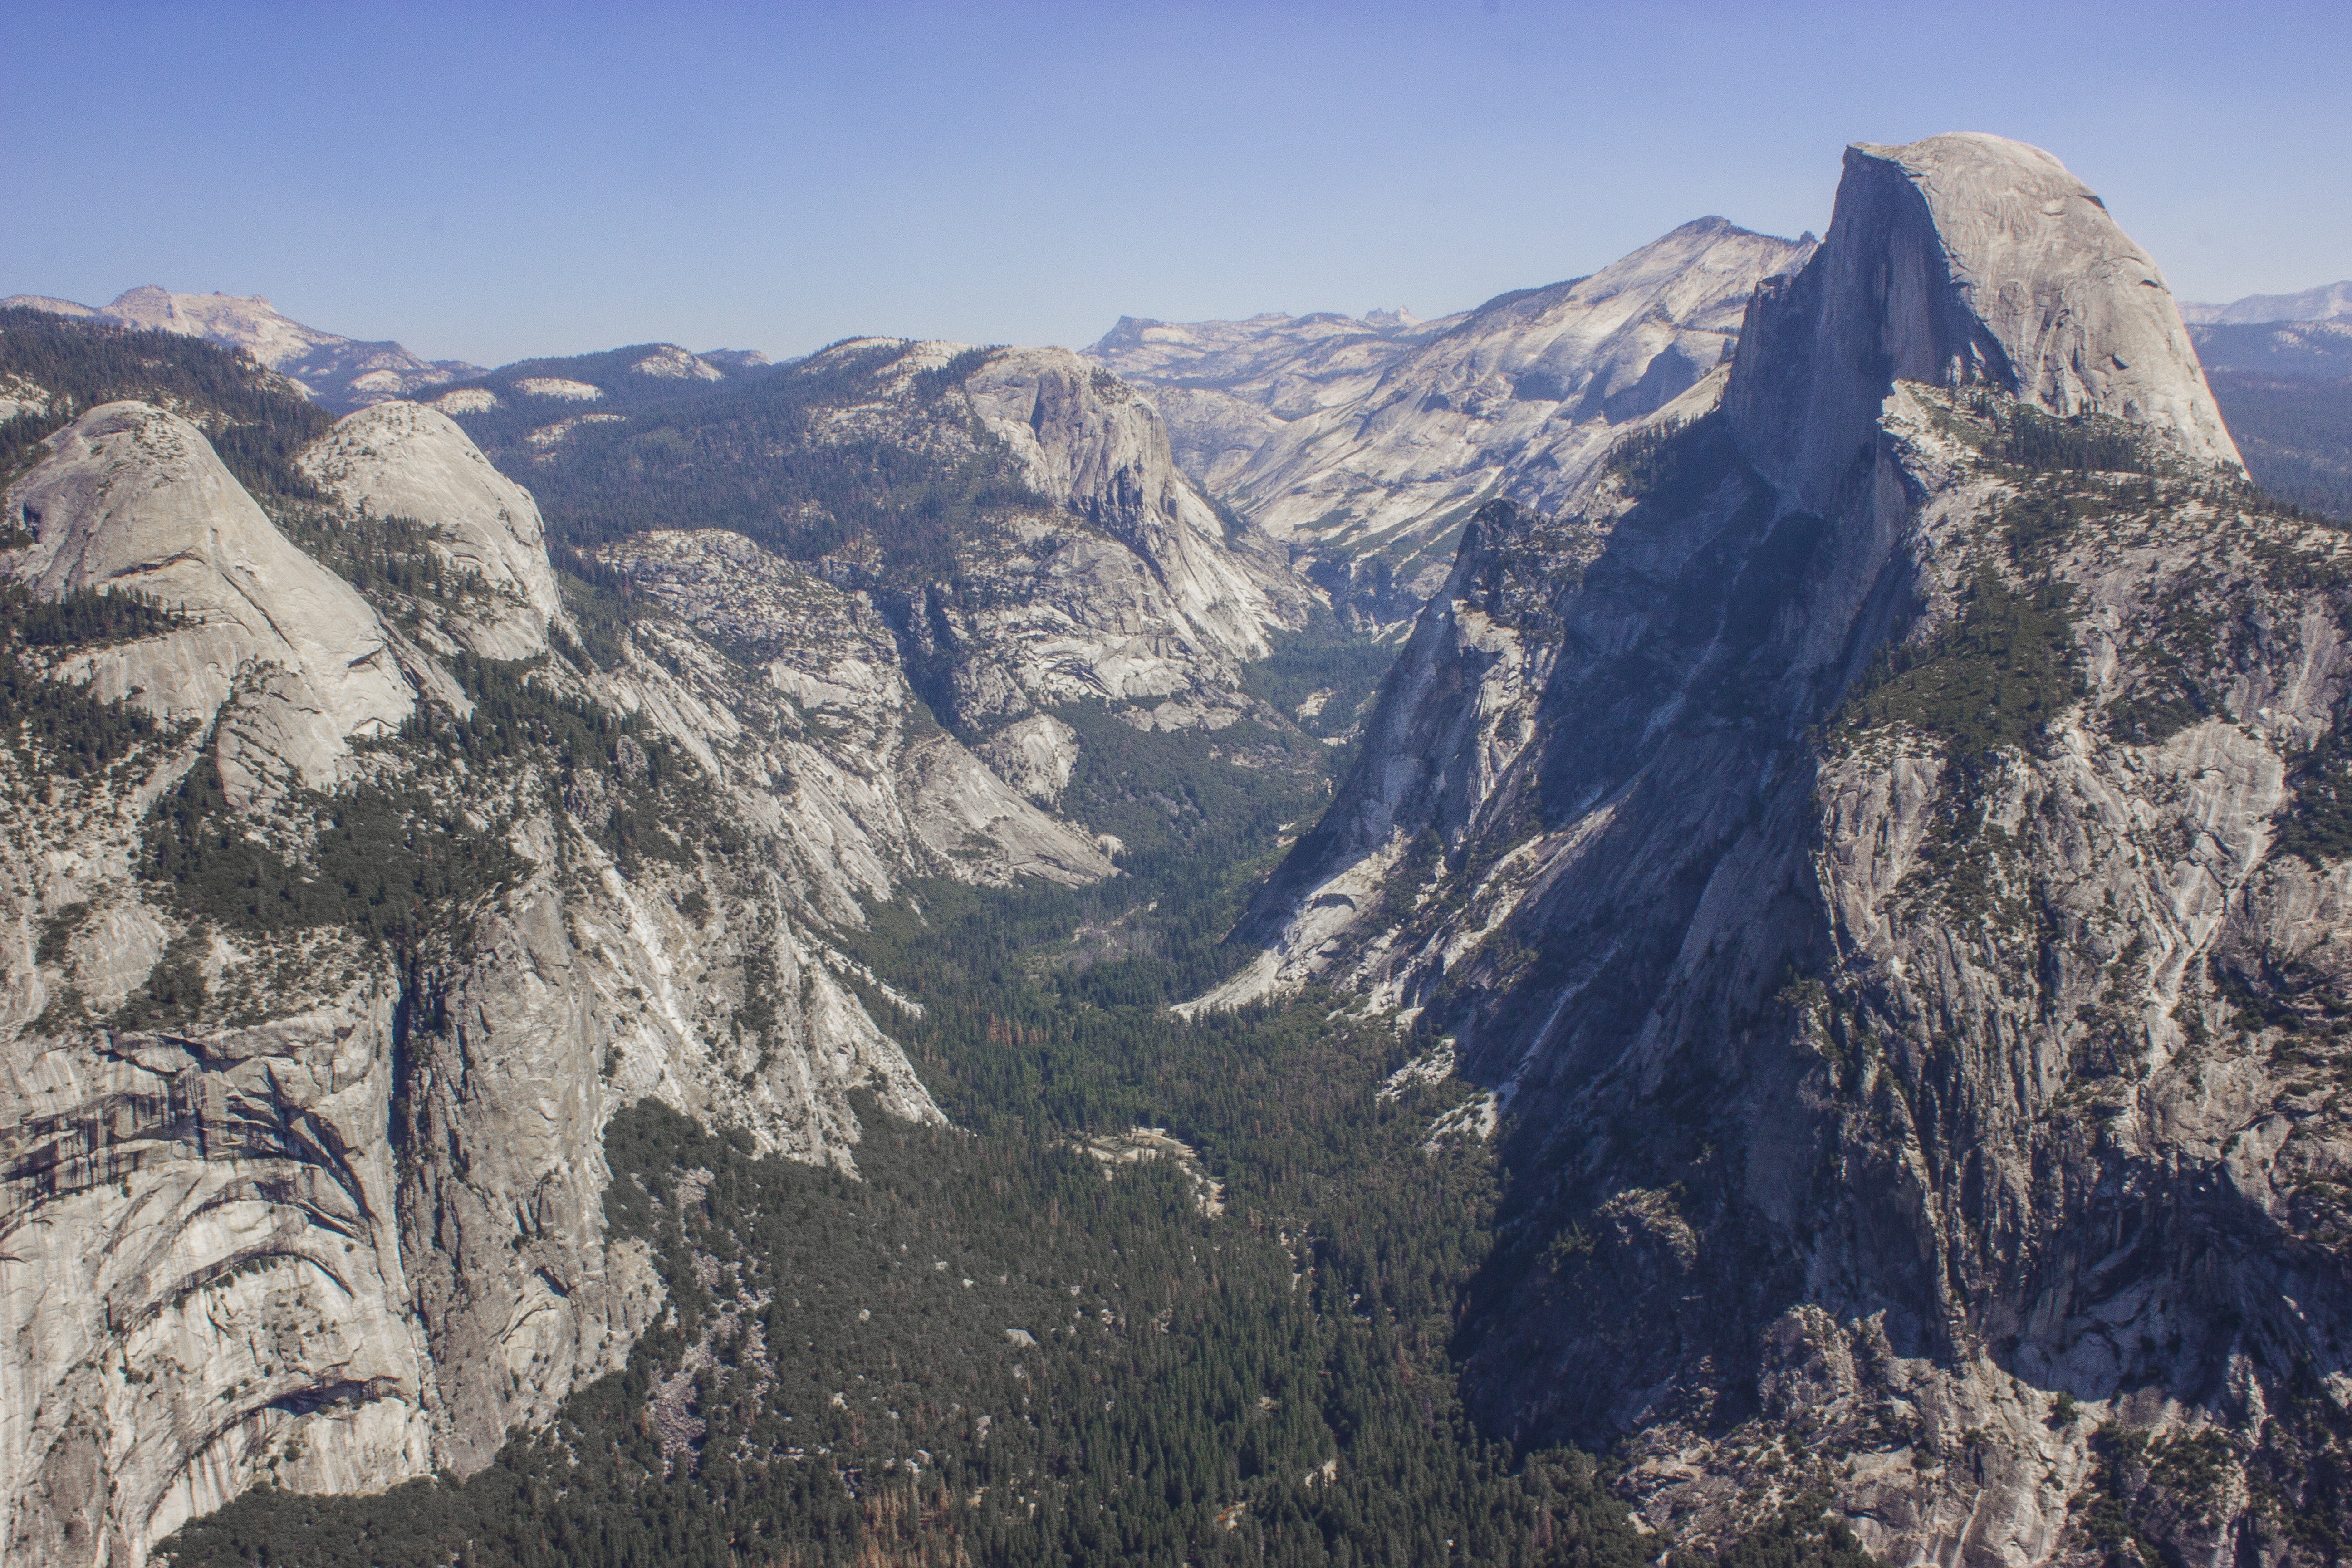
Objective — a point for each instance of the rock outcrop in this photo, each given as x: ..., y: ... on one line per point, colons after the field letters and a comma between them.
x: 1086, y: 442
x: 1963, y: 260
x: 1371, y: 444
x: 1874, y: 847
x: 1102, y: 574
x: 399, y: 460
x: 290, y: 1196
x: 132, y: 499
x: 874, y: 786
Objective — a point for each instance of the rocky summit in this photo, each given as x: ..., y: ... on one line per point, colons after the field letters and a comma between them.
x: 1695, y: 917
x: 1867, y: 846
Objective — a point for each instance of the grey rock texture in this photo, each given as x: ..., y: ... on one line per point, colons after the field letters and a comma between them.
x: 1964, y: 260
x: 1371, y: 444
x: 341, y: 1223
x: 875, y: 784
x: 1034, y: 755
x: 401, y: 459
x: 1089, y: 444
x: 1911, y: 1060
x: 203, y: 1282
x: 1120, y: 583
x: 132, y: 499
x: 1227, y: 388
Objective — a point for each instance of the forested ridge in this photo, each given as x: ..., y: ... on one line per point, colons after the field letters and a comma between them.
x: 754, y: 454
x: 256, y: 419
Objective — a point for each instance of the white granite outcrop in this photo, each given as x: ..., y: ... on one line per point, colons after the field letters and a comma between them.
x: 402, y: 459
x: 131, y: 499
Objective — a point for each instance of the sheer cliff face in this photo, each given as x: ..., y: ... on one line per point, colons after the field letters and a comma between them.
x: 279, y: 1204
x: 1365, y: 446
x: 1125, y: 584
x: 1880, y: 856
x: 1964, y: 260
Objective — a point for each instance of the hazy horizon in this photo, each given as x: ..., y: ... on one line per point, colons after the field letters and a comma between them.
x: 529, y: 181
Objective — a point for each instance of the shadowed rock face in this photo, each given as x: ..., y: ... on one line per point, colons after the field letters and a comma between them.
x: 1963, y: 260
x: 1365, y: 445
x: 1886, y: 1051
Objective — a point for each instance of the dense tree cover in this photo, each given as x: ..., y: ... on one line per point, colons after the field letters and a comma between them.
x: 2303, y: 350
x: 1323, y: 657
x: 2316, y: 821
x: 385, y: 558
x: 399, y: 861
x: 82, y: 618
x: 988, y: 1351
x: 843, y: 1379
x: 54, y: 726
x: 255, y: 419
x: 991, y: 1346
x: 388, y: 863
x: 1673, y: 466
x: 2294, y: 435
x: 2025, y: 437
x: 747, y: 454
x: 1995, y: 678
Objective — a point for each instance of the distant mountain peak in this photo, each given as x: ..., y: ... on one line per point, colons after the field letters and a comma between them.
x: 1353, y: 439
x: 2328, y: 302
x: 340, y: 373
x: 1949, y: 255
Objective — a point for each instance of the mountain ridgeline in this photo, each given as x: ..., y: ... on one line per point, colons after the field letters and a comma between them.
x: 1695, y: 917
x: 1872, y: 849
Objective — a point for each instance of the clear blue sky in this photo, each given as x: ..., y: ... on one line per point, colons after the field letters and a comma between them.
x: 492, y: 181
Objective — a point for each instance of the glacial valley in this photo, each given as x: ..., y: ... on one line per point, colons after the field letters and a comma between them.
x: 1700, y: 915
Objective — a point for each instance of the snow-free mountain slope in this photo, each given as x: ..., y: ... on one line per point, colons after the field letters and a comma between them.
x: 1016, y: 512
x: 1966, y: 261
x: 1891, y: 1046
x: 2286, y: 388
x: 399, y: 460
x: 2305, y: 350
x: 132, y: 499
x: 1227, y: 388
x: 2330, y: 302
x: 340, y: 373
x: 324, y: 995
x: 1383, y: 439
x: 1086, y: 442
